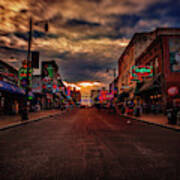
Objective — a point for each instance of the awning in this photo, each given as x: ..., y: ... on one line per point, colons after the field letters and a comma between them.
x: 149, y: 85
x: 11, y: 88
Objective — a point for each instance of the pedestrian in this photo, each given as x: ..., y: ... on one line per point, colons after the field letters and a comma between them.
x: 138, y: 109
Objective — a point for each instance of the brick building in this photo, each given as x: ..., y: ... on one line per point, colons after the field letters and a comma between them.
x: 139, y: 47
x: 135, y: 47
x: 163, y: 55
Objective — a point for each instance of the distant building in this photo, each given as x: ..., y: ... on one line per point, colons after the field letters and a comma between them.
x: 95, y: 93
x: 76, y: 96
x: 47, y: 86
x: 113, y: 86
x: 52, y: 85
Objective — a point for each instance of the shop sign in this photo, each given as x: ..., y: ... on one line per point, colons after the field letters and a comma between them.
x: 7, y: 76
x: 125, y: 87
x: 104, y: 95
x: 49, y: 78
x: 49, y: 96
x: 172, y: 91
x: 48, y: 70
x: 37, y: 84
x: 140, y: 72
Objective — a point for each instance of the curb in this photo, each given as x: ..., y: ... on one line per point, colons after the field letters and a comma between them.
x: 152, y: 123
x: 21, y: 123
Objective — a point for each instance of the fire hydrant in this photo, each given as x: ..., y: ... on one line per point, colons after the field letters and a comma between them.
x: 178, y: 118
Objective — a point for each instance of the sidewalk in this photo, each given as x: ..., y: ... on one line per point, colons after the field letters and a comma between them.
x: 15, y: 120
x: 160, y: 120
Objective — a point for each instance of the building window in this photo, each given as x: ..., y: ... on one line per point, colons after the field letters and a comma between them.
x: 156, y: 66
x: 174, y: 52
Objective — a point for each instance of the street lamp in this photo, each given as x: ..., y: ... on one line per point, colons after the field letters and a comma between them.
x: 25, y: 108
x: 29, y: 65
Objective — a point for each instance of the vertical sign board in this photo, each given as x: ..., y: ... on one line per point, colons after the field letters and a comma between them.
x: 47, y: 77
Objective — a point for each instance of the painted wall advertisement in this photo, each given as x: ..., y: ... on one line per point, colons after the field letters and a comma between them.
x: 174, y: 50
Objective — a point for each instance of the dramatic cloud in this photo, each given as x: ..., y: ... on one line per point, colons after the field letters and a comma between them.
x: 85, y: 36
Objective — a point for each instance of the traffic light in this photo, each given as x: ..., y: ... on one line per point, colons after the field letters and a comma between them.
x: 35, y: 59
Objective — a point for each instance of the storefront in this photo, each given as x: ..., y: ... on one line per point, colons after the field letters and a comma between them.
x: 163, y: 89
x: 10, y: 98
x: 10, y: 94
x: 150, y: 97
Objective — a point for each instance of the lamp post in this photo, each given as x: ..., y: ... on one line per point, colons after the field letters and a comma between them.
x: 25, y: 108
x: 29, y: 65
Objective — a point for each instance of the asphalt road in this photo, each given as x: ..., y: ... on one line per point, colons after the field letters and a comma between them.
x: 89, y: 144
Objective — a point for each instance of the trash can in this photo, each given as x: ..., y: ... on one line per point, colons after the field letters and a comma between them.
x: 178, y: 118
x: 171, y: 114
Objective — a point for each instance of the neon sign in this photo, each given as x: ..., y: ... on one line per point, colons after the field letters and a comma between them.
x: 23, y: 77
x: 172, y: 91
x: 140, y: 72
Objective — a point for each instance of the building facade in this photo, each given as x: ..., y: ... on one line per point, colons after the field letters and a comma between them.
x: 52, y: 85
x: 10, y: 94
x: 163, y: 88
x: 135, y: 49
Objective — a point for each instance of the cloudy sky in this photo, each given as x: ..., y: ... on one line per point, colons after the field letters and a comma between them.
x: 84, y: 36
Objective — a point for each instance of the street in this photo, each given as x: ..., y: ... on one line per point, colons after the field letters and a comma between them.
x: 89, y: 144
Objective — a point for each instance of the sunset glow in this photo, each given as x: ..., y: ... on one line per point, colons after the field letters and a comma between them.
x: 89, y: 84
